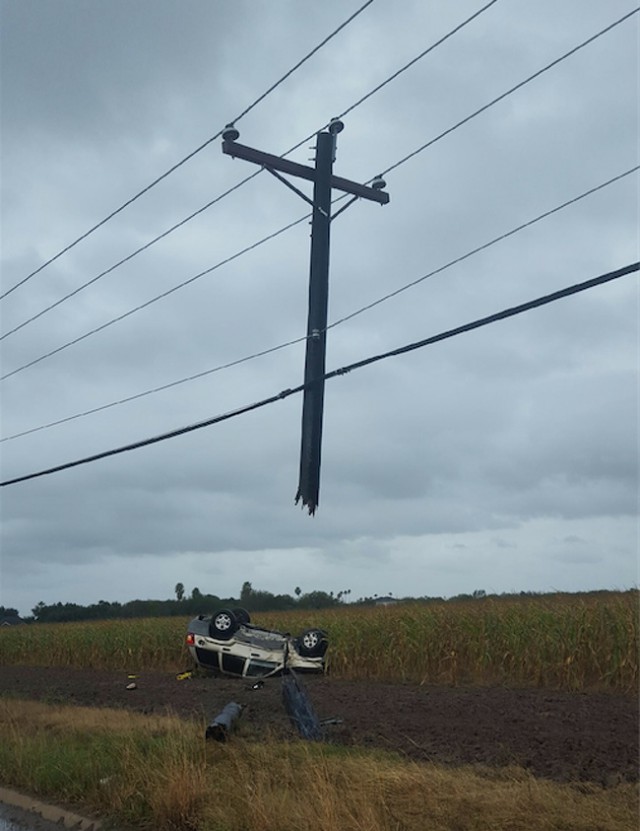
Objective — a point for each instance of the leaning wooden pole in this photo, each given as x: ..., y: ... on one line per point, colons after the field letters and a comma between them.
x: 315, y: 358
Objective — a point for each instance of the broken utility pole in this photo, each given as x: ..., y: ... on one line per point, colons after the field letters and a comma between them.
x: 323, y: 182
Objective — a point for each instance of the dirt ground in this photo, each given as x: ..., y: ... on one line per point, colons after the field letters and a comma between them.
x: 556, y: 735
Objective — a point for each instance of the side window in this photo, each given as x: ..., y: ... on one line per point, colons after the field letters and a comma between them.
x: 232, y: 663
x: 256, y: 667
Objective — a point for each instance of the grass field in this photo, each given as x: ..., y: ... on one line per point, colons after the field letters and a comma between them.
x: 152, y: 772
x: 563, y: 641
x: 156, y: 772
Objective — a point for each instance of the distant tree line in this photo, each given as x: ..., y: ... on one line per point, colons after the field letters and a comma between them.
x: 196, y: 603
x: 253, y: 600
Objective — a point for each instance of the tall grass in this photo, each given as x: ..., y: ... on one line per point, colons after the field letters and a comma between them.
x: 567, y: 642
x: 157, y: 773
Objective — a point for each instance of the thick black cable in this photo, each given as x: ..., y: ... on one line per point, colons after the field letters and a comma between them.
x: 247, y: 178
x: 476, y: 324
x: 483, y: 247
x: 189, y: 155
x: 357, y: 312
x: 493, y: 318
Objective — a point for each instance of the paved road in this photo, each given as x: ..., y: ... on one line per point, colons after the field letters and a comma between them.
x: 15, y: 818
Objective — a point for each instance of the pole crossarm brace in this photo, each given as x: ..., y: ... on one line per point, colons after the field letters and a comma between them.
x: 289, y: 185
x: 271, y: 162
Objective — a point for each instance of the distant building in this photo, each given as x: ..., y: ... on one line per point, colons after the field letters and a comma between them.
x: 385, y: 601
x: 11, y: 620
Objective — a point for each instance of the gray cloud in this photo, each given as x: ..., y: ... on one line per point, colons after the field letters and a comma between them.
x: 478, y: 462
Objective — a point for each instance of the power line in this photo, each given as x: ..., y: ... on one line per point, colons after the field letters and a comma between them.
x: 513, y: 89
x: 484, y: 246
x: 153, y: 299
x: 161, y: 388
x: 485, y: 321
x: 127, y: 258
x: 392, y: 167
x: 476, y: 324
x: 341, y: 320
x: 400, y: 71
x: 191, y: 216
x: 192, y: 153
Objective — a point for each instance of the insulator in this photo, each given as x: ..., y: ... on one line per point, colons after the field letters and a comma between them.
x: 230, y: 133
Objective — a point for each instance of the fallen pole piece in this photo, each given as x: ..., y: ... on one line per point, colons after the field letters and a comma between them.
x: 299, y: 708
x: 223, y: 722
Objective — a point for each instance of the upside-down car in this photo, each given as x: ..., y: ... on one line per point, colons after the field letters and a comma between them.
x: 228, y: 642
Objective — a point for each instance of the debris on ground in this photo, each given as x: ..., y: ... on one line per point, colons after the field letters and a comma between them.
x: 183, y: 676
x: 223, y: 722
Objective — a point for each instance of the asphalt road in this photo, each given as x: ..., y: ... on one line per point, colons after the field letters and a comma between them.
x: 15, y: 815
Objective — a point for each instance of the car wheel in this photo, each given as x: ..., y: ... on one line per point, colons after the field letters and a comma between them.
x: 312, y: 643
x: 223, y: 625
x: 242, y: 616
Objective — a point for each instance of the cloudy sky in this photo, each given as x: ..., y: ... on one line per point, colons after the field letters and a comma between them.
x: 502, y: 459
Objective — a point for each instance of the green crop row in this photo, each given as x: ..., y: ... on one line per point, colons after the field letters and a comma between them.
x: 568, y: 642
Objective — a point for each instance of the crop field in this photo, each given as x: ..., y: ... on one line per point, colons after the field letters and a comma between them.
x: 450, y: 715
x: 568, y: 642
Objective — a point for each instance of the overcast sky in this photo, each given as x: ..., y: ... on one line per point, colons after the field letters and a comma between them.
x: 505, y: 459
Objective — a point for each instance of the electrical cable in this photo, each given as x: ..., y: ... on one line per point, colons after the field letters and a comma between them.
x: 411, y: 155
x: 127, y: 258
x: 243, y: 181
x: 153, y: 299
x: 192, y: 153
x: 161, y: 388
x: 398, y: 72
x: 476, y: 324
x: 341, y: 320
x: 513, y: 89
x: 483, y: 247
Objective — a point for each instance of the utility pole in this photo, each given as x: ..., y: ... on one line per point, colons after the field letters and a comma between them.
x: 323, y: 183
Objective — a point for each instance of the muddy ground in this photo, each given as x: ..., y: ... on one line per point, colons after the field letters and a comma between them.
x: 557, y: 735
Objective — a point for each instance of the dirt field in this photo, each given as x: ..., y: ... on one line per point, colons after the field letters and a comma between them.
x: 561, y: 736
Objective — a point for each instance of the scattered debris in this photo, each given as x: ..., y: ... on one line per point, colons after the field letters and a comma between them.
x: 223, y: 722
x: 183, y: 676
x: 132, y: 686
x: 257, y: 686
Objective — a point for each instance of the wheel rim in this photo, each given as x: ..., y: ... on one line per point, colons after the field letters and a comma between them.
x: 310, y: 640
x: 223, y: 622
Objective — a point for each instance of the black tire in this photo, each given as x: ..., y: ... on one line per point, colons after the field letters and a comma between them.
x: 242, y: 616
x: 312, y: 643
x: 223, y: 625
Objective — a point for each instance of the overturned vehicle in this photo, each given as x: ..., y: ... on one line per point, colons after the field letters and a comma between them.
x: 228, y: 642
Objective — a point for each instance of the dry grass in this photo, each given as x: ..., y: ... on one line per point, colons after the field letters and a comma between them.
x: 157, y: 772
x: 566, y: 642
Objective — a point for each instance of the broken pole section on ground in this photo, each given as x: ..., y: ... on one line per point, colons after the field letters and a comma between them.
x: 223, y: 722
x: 300, y: 709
